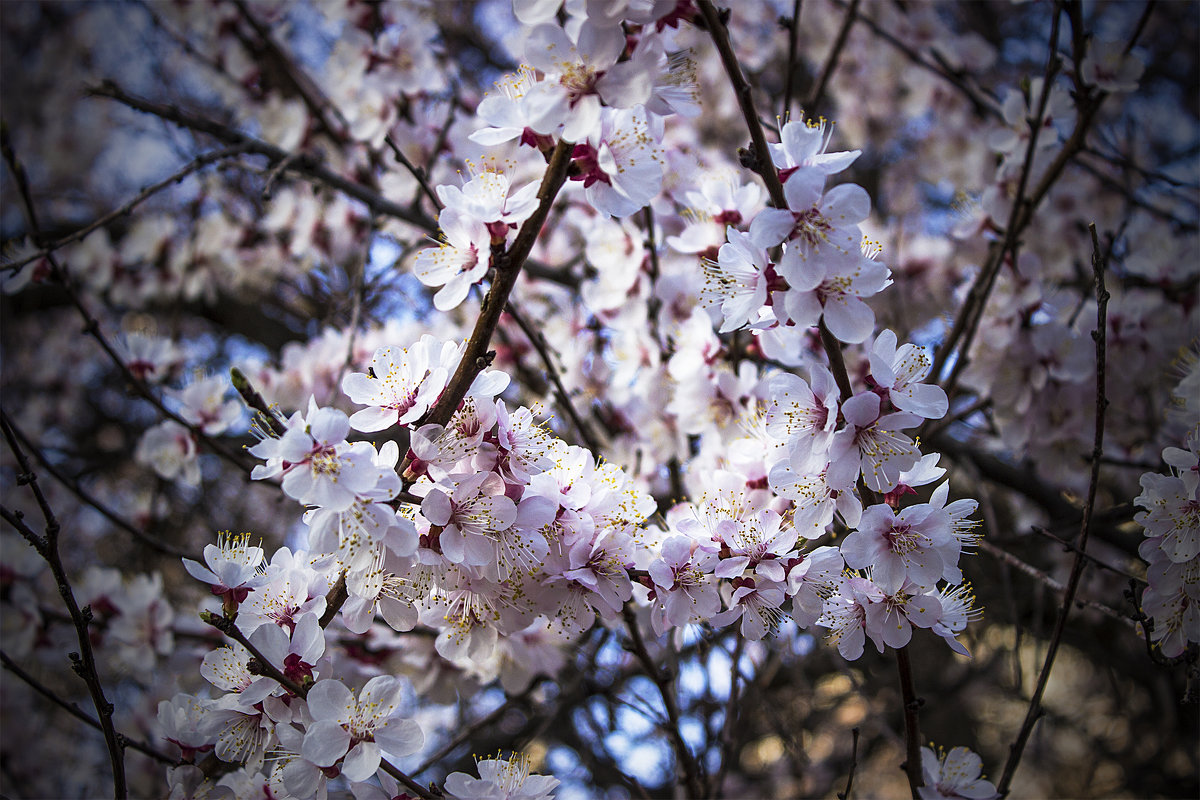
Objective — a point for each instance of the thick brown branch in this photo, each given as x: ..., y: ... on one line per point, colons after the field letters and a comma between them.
x: 475, y: 358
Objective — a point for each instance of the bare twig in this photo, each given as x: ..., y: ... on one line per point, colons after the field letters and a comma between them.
x: 845, y: 794
x: 971, y: 314
x: 745, y: 98
x: 266, y: 414
x: 818, y: 94
x: 83, y: 662
x: 472, y: 729
x: 1035, y: 702
x: 77, y: 490
x: 74, y: 711
x: 790, y: 73
x: 728, y: 740
x: 1047, y: 580
x: 983, y: 103
x: 912, y: 723
x: 417, y: 173
x: 1074, y: 548
x: 538, y: 341
x: 762, y: 160
x: 686, y: 761
x: 195, y: 165
x: 304, y: 164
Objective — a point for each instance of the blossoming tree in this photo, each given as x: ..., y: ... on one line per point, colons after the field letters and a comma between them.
x: 389, y: 382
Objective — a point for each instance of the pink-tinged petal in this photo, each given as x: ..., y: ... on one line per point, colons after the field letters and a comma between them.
x: 359, y: 386
x: 862, y: 409
x: 897, y: 631
x: 662, y: 574
x: 502, y: 510
x: 479, y: 551
x: 258, y: 691
x: 489, y: 383
x: 298, y: 483
x: 929, y: 763
x: 847, y: 204
x: 358, y: 613
x: 849, y: 318
x: 803, y: 189
x: 453, y: 546
x: 325, y: 742
x: 437, y: 507
x: 731, y: 567
x: 923, y: 610
x: 361, y: 762
x: 800, y: 141
x: 451, y: 295
x: 490, y: 137
x: 771, y: 226
x: 802, y: 272
x: 263, y: 471
x: 331, y: 700
x: 400, y: 737
x: 534, y: 12
x: 625, y: 85
x: 547, y: 48
x: 889, y: 573
x: 300, y: 778
x: 329, y: 426
x: 924, y: 568
x: 851, y: 645
x: 200, y: 572
x: 833, y: 163
x: 272, y: 642
x: 329, y: 494
x: 920, y: 398
x: 803, y: 308
x: 861, y: 549
x: 600, y: 45
x: 370, y: 420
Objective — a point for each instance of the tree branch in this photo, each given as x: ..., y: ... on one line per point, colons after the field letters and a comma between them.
x: 1100, y: 336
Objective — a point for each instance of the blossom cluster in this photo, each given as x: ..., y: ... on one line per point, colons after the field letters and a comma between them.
x: 751, y: 373
x: 1171, y: 519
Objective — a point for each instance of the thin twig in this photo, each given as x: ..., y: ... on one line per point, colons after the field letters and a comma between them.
x: 971, y: 314
x: 414, y: 170
x: 742, y: 90
x: 983, y: 103
x: 1074, y: 548
x: 912, y: 723
x: 472, y: 729
x: 1100, y: 337
x: 304, y: 164
x: 728, y: 739
x: 77, y: 490
x: 83, y: 662
x: 790, y: 73
x: 196, y: 164
x: 762, y: 160
x: 228, y: 627
x: 564, y: 399
x: 845, y: 794
x: 831, y: 60
x: 74, y: 711
x: 686, y: 761
x: 1047, y: 580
